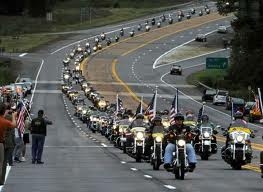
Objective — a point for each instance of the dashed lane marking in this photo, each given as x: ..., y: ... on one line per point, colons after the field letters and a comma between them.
x: 148, y: 176
x: 170, y: 187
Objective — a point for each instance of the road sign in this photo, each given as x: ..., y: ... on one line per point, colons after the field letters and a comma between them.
x: 216, y: 63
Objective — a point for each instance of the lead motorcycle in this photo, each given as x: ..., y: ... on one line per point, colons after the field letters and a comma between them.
x: 205, y: 145
x: 238, y: 152
x: 180, y: 161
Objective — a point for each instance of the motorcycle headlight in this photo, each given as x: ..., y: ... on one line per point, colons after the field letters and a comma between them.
x: 206, y: 134
x: 84, y: 111
x: 120, y: 130
x: 66, y: 76
x: 158, y: 139
x: 77, y: 68
x: 240, y: 138
x: 130, y: 119
x: 139, y: 135
x: 181, y: 143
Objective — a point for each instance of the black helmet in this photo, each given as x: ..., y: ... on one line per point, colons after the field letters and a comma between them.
x: 204, y: 118
x: 125, y: 116
x: 119, y: 114
x: 179, y: 116
x: 157, y: 118
x: 238, y: 115
x: 165, y: 112
x: 139, y: 116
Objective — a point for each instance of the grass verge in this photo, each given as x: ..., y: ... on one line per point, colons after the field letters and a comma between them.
x: 8, y: 70
x: 209, y: 77
x: 26, y: 43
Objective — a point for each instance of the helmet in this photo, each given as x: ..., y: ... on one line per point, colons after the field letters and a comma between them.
x: 179, y: 116
x: 165, y: 112
x: 238, y: 115
x: 204, y: 118
x: 189, y: 117
x: 139, y: 116
x: 157, y: 118
x: 119, y: 114
x: 125, y: 116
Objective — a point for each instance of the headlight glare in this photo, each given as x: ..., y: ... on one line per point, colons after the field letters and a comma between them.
x: 181, y: 143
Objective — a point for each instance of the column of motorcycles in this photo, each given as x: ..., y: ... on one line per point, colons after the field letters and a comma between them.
x: 141, y: 142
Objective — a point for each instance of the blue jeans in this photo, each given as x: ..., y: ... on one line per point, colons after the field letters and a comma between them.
x: 38, y: 142
x: 170, y: 148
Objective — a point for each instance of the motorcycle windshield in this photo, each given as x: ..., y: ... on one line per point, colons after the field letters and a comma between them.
x: 157, y: 129
x: 206, y: 129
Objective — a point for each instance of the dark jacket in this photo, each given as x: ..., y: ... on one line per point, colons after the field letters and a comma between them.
x: 181, y: 130
x: 39, y: 126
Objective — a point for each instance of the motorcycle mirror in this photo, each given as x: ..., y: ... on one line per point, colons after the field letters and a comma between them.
x: 218, y: 126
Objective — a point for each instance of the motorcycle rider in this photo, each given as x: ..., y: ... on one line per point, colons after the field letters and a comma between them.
x: 138, y: 121
x: 238, y: 122
x: 155, y: 127
x: 179, y: 128
x: 206, y: 123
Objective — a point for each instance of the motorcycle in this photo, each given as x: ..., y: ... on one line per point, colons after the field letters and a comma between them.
x: 153, y: 21
x: 94, y: 123
x: 158, y: 24
x: 147, y: 28
x: 179, y: 18
x: 170, y: 21
x: 200, y: 13
x: 238, y: 151
x: 103, y: 36
x: 205, y: 146
x: 122, y: 32
x: 180, y: 161
x: 139, y: 27
x: 157, y: 150
x: 136, y: 148
x: 121, y: 139
x: 131, y: 33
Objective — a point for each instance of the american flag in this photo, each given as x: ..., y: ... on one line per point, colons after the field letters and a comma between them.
x: 151, y: 108
x: 200, y: 113
x: 257, y: 105
x: 21, y: 120
x: 119, y: 104
x: 174, y: 108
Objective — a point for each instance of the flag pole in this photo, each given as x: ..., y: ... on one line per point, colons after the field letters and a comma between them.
x: 232, y: 111
x: 117, y: 104
x: 155, y: 102
x: 141, y: 104
x: 176, y: 100
x: 260, y: 100
x: 26, y: 110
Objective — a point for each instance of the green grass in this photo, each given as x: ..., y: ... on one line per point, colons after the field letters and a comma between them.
x: 209, y: 77
x: 26, y: 43
x: 8, y: 70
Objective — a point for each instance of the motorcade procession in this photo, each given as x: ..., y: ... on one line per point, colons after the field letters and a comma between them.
x: 176, y: 138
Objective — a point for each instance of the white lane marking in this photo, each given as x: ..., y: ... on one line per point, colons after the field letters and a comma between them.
x: 134, y: 169
x: 194, y: 57
x: 33, y: 93
x: 148, y: 176
x: 23, y: 54
x: 166, y: 53
x: 157, y: 60
x: 109, y: 32
x: 48, y: 82
x: 104, y: 145
x: 94, y: 139
x: 8, y: 168
x: 170, y: 187
x: 76, y: 146
x: 48, y: 91
x: 191, y: 98
x: 123, y: 162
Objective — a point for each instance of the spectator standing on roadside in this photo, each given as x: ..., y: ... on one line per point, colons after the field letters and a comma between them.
x: 25, y: 138
x: 39, y: 132
x: 4, y: 124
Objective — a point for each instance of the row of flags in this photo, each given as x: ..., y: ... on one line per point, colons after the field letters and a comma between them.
x: 150, y: 111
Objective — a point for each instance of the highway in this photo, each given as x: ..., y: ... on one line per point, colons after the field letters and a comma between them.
x: 78, y: 160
